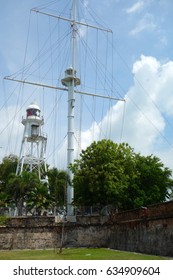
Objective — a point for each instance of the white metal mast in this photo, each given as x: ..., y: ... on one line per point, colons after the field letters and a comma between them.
x: 70, y: 80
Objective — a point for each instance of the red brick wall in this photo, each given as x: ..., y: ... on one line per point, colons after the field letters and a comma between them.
x: 158, y: 211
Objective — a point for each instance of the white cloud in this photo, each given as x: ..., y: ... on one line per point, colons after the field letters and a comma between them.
x: 147, y: 101
x: 145, y: 23
x: 136, y: 7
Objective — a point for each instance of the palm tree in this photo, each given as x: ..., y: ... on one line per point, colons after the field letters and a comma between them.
x: 39, y: 198
x: 57, y: 185
x: 26, y: 188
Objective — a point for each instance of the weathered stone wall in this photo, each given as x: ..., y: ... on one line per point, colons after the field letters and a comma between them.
x: 147, y: 230
x: 43, y: 232
x: 152, y: 237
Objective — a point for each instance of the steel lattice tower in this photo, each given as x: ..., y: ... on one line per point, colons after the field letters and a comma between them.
x: 33, y: 147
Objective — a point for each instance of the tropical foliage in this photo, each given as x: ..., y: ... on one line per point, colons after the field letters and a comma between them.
x: 57, y: 186
x: 27, y: 191
x: 110, y: 173
x: 106, y: 174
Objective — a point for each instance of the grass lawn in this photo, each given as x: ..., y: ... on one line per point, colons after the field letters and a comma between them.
x: 75, y: 254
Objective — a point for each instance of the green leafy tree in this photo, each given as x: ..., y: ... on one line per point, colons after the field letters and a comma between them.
x: 108, y: 173
x: 154, y: 181
x: 7, y: 167
x: 102, y: 174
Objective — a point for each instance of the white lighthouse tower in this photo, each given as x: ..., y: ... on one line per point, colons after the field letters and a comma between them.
x: 33, y: 147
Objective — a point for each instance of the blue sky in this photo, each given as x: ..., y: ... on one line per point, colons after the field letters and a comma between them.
x: 135, y: 63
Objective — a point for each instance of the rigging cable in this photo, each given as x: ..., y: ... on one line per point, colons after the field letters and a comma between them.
x: 123, y: 121
x: 38, y: 48
x: 104, y: 84
x: 112, y: 85
x: 18, y: 108
x: 96, y: 74
x: 12, y: 122
x: 55, y: 94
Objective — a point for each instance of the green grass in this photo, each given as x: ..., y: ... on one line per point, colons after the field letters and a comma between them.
x: 75, y: 254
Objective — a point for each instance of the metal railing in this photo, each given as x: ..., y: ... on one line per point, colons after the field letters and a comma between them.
x: 79, y: 211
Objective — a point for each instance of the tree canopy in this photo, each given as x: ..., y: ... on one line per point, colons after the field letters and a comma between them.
x: 107, y: 173
x: 26, y: 188
x: 110, y: 173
